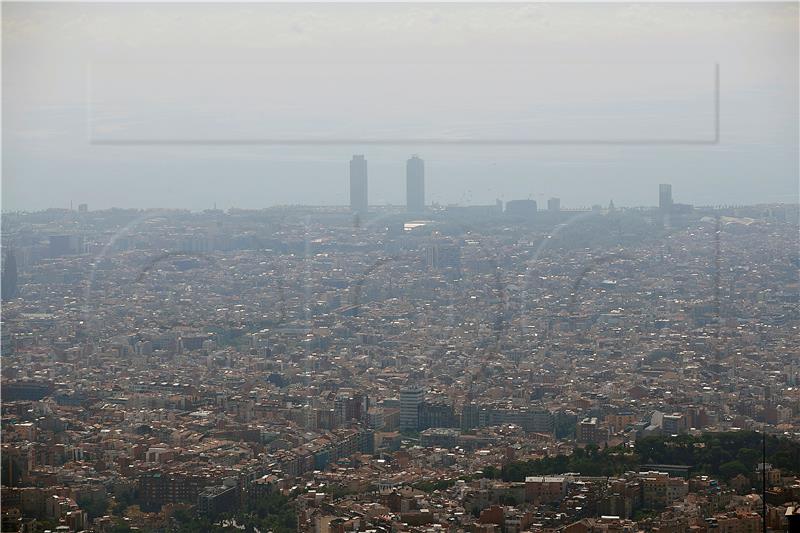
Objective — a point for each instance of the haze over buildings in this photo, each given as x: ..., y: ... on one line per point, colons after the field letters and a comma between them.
x: 428, y: 72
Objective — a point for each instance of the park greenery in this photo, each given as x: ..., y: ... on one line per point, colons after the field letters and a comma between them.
x: 272, y: 512
x: 722, y: 455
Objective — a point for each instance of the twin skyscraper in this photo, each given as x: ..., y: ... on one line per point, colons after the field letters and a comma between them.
x: 415, y: 185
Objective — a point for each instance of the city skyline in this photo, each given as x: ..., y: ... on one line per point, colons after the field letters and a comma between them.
x: 416, y: 267
x: 358, y: 190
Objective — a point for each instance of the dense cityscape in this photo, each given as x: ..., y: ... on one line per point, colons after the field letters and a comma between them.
x: 499, y: 368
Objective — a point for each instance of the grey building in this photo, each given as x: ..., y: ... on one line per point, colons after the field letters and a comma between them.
x: 359, y: 198
x: 415, y: 185
x: 410, y: 400
x: 665, y: 196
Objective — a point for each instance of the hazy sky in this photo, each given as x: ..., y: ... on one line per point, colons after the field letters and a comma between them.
x: 97, y: 99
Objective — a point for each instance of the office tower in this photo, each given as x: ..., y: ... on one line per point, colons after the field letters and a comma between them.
x: 410, y: 400
x: 358, y: 185
x: 521, y: 208
x: 9, y: 276
x: 554, y: 204
x: 415, y: 184
x: 665, y: 196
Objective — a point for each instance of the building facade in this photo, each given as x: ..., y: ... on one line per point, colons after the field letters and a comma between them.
x: 665, y: 197
x: 410, y: 400
x: 359, y: 193
x: 415, y: 185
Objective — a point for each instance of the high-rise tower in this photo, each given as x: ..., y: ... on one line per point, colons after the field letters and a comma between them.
x: 410, y: 400
x: 359, y: 202
x: 415, y: 184
x: 665, y: 196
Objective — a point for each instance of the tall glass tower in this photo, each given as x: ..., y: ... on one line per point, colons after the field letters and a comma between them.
x: 358, y: 185
x: 415, y: 184
x: 665, y: 196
